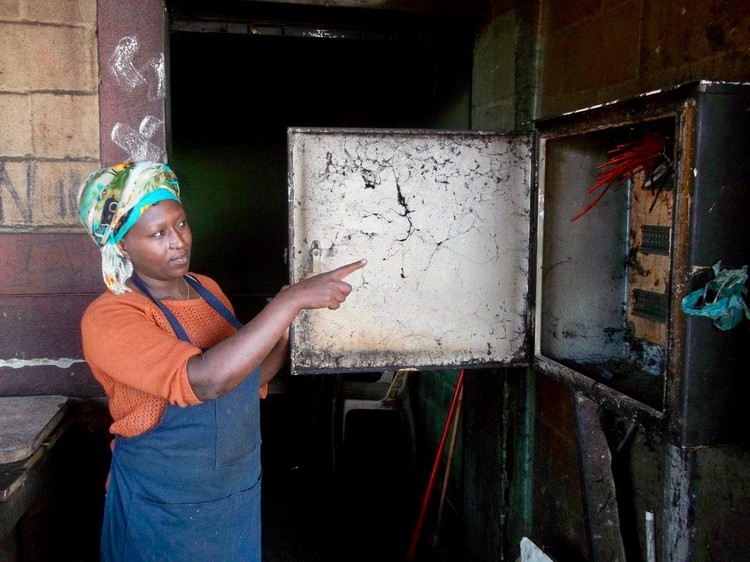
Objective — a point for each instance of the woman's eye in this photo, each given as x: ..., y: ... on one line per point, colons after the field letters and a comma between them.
x: 158, y: 234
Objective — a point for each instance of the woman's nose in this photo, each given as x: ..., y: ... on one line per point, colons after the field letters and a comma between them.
x: 176, y: 240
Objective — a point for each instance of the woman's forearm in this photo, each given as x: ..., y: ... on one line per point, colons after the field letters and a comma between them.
x: 273, y: 362
x: 220, y: 369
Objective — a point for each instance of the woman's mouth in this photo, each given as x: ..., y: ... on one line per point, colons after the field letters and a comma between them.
x: 181, y: 259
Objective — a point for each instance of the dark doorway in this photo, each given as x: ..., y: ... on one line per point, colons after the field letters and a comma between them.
x: 233, y: 95
x: 240, y: 74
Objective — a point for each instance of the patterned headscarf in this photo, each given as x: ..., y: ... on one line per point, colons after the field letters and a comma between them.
x: 110, y: 202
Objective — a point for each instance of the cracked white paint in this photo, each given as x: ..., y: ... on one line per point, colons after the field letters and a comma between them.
x: 443, y: 220
x: 62, y: 363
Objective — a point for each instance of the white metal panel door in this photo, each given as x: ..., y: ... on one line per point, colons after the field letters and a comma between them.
x: 442, y: 218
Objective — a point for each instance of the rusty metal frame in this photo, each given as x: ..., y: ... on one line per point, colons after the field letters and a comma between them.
x: 639, y: 110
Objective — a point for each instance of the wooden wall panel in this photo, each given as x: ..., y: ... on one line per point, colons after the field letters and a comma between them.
x: 41, y: 327
x: 40, y: 351
x: 46, y: 283
x: 45, y: 263
x: 75, y: 381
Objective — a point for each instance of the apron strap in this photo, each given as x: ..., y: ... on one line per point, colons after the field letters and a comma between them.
x: 213, y: 302
x: 176, y: 326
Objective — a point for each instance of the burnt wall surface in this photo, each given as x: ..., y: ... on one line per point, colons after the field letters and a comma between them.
x: 557, y: 496
x: 596, y: 51
x: 587, y: 52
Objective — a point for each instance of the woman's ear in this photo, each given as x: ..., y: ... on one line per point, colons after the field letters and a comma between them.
x: 121, y: 247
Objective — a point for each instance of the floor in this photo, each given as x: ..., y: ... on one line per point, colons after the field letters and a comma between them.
x: 365, y: 510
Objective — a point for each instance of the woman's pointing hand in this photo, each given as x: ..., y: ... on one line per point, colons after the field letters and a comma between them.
x: 325, y: 290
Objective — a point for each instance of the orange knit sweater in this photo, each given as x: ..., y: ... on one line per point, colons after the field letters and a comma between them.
x: 134, y: 354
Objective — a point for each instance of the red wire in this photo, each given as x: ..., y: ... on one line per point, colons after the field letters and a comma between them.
x: 435, y: 466
x: 630, y: 159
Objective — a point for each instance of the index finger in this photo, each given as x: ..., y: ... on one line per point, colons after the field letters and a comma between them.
x: 344, y: 270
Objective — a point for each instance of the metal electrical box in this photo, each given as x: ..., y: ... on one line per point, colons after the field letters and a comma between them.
x: 491, y: 249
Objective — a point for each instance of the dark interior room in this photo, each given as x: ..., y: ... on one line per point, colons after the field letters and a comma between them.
x: 232, y: 98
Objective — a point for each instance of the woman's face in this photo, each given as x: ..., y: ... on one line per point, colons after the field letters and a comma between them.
x: 158, y: 244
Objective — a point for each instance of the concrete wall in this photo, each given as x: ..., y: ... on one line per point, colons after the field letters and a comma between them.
x: 49, y: 112
x: 545, y: 57
x: 49, y: 140
x: 62, y: 115
x: 506, y: 54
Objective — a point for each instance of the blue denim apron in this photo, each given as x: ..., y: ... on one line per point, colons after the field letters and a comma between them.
x: 189, y: 489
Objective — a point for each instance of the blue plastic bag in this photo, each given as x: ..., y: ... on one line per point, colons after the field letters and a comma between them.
x: 727, y: 307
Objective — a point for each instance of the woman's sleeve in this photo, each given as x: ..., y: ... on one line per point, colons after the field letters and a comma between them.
x: 122, y: 342
x: 212, y: 286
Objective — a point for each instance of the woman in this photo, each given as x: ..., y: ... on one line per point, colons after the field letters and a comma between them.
x: 183, y: 376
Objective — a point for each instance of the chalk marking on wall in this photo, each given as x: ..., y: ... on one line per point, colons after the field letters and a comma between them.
x: 149, y: 126
x: 24, y: 207
x: 68, y: 198
x: 129, y: 76
x: 121, y: 64
x: 137, y: 144
x: 62, y: 363
x: 157, y: 64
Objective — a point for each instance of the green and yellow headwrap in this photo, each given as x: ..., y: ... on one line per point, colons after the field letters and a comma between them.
x: 110, y: 202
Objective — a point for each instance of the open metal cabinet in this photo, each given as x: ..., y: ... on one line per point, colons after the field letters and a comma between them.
x: 475, y: 259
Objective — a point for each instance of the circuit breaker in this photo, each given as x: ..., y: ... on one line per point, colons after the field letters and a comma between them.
x: 568, y: 249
